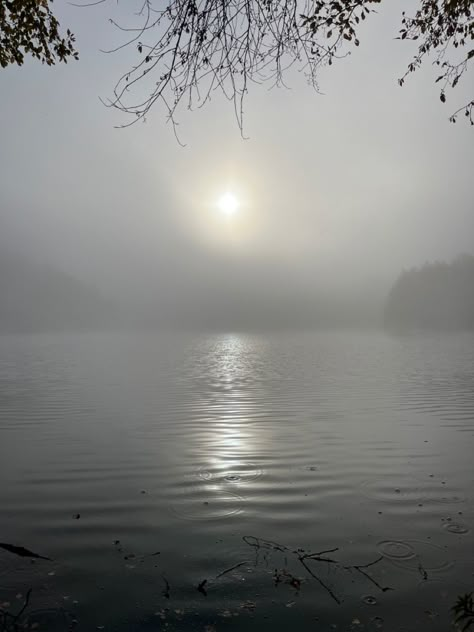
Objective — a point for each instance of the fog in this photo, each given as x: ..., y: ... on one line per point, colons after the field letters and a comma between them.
x: 338, y: 192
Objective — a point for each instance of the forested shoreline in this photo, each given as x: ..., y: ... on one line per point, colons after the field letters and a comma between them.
x: 437, y: 295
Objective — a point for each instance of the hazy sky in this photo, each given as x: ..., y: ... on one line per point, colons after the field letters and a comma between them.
x: 341, y: 189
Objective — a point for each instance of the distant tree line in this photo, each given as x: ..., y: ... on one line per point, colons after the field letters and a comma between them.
x: 437, y: 295
x: 35, y: 297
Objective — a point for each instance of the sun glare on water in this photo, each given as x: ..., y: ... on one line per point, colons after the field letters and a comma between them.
x: 228, y: 204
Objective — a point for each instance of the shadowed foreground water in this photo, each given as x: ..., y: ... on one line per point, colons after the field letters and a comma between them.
x: 185, y: 483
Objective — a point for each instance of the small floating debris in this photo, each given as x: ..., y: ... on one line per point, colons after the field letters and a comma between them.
x: 286, y: 577
x: 202, y: 587
x: 370, y: 600
x: 456, y: 528
x: 234, y: 471
x: 161, y: 613
x: 166, y: 590
x: 422, y: 571
x: 432, y: 614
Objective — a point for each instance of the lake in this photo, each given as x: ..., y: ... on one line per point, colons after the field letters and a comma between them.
x: 237, y: 482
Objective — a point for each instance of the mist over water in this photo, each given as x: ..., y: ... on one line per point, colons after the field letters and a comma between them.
x: 144, y: 464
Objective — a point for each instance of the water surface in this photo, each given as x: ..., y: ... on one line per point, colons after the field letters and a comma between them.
x: 185, y: 482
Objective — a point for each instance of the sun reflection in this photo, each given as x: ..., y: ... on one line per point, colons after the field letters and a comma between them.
x: 231, y: 450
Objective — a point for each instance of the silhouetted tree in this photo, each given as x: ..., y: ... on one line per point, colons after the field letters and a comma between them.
x: 437, y: 296
x: 28, y: 27
x: 188, y: 48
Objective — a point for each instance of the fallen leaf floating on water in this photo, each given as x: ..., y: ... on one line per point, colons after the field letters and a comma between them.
x: 21, y: 551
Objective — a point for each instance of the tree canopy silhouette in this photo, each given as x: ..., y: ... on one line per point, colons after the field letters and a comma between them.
x: 438, y: 295
x: 29, y: 27
x: 183, y: 50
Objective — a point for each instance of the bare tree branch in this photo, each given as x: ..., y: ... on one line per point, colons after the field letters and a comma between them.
x: 185, y: 50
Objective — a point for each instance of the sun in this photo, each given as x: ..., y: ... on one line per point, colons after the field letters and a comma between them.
x: 228, y: 203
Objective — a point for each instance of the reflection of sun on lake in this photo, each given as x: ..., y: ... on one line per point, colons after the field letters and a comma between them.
x: 231, y: 433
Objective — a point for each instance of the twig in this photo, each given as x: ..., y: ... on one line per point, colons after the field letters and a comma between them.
x: 25, y: 606
x: 318, y: 579
x: 359, y: 568
x: 301, y: 555
x: 166, y: 591
x: 14, y: 617
x: 422, y: 571
x: 232, y: 568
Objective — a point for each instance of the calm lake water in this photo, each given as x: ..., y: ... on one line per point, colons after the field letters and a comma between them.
x: 143, y: 465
